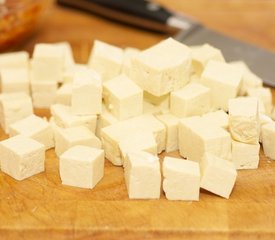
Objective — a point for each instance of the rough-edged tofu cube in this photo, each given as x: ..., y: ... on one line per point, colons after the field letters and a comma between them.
x: 18, y: 59
x: 82, y: 166
x: 66, y: 138
x: 106, y: 59
x: 268, y: 138
x: 171, y: 123
x: 123, y: 97
x: 218, y: 118
x: 86, y: 93
x: 64, y: 94
x: 15, y: 80
x: 244, y: 124
x: 201, y: 55
x: 129, y: 54
x: 264, y: 119
x: 154, y: 104
x: 181, y: 179
x: 64, y: 118
x: 193, y: 99
x: 245, y: 156
x: 197, y: 137
x: 218, y: 175
x: 224, y: 81
x: 34, y: 127
x: 13, y: 107
x: 162, y: 68
x: 22, y: 157
x: 142, y: 175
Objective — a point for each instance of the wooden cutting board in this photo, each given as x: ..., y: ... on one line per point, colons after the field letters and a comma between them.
x: 41, y: 208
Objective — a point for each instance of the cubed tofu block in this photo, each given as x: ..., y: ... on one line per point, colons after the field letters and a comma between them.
x: 181, y: 179
x: 22, y: 157
x: 224, y: 81
x: 162, y: 68
x: 244, y: 124
x: 218, y: 175
x: 193, y: 99
x: 142, y: 175
x: 66, y: 138
x: 268, y: 135
x: 86, y: 92
x: 15, y: 80
x: 154, y: 104
x: 171, y: 123
x: 123, y: 97
x: 64, y: 118
x: 273, y: 113
x: 217, y: 118
x: 128, y: 55
x: 106, y: 59
x: 64, y: 94
x: 245, y: 156
x: 18, y: 59
x: 197, y: 137
x: 34, y: 127
x: 13, y: 107
x: 264, y: 119
x: 82, y: 166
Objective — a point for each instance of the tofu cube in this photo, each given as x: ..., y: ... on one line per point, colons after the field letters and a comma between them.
x: 218, y: 175
x: 34, y: 127
x: 162, y: 68
x: 224, y: 81
x: 244, y: 123
x: 191, y: 100
x: 245, y: 156
x: 181, y: 179
x: 13, y: 107
x: 142, y: 175
x: 264, y: 119
x: 154, y: 104
x: 22, y: 157
x: 123, y: 97
x: 19, y: 59
x: 82, y: 166
x: 64, y: 94
x: 66, y: 138
x: 218, y: 118
x: 86, y: 93
x: 268, y: 135
x: 15, y: 80
x: 106, y: 59
x: 128, y: 55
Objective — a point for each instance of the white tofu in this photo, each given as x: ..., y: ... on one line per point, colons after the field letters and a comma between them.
x: 34, y: 127
x: 111, y: 135
x: 197, y: 137
x: 106, y: 59
x: 129, y: 54
x: 14, y: 80
x: 244, y: 123
x: 154, y: 104
x: 22, y: 157
x: 268, y: 138
x: 64, y: 94
x: 245, y: 156
x: 68, y: 53
x: 66, y: 138
x: 18, y: 59
x: 218, y: 175
x: 86, y: 93
x: 193, y: 99
x: 224, y: 81
x: 217, y: 118
x: 142, y: 175
x: 13, y: 107
x: 122, y: 97
x: 273, y: 113
x: 162, y: 68
x: 82, y: 166
x: 264, y: 119
x: 171, y: 123
x: 201, y: 55
x: 181, y: 179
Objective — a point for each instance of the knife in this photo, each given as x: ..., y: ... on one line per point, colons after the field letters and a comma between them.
x: 150, y: 15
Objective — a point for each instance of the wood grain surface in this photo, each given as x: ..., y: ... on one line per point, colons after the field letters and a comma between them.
x: 41, y: 208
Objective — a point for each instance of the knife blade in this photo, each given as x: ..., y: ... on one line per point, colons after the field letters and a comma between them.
x: 152, y: 16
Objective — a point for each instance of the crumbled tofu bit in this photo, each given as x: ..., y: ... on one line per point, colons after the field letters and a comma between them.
x: 106, y: 59
x: 181, y: 179
x: 268, y: 138
x: 123, y: 97
x: 161, y: 75
x: 89, y: 163
x: 244, y: 123
x: 13, y: 60
x: 142, y: 175
x: 193, y: 99
x: 21, y: 157
x: 224, y: 81
x: 217, y: 175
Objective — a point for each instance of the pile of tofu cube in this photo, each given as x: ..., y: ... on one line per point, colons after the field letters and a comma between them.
x: 128, y: 106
